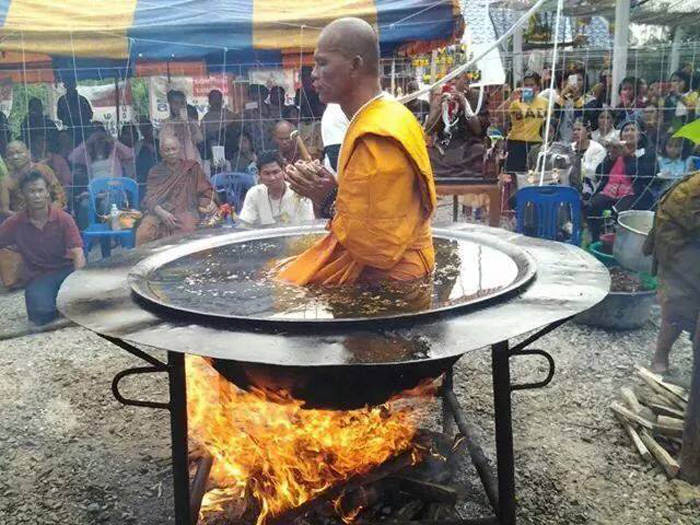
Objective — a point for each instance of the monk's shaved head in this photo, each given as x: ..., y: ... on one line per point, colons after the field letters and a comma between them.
x: 353, y: 37
x: 284, y: 126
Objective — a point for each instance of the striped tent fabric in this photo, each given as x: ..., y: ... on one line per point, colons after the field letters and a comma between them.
x: 94, y: 35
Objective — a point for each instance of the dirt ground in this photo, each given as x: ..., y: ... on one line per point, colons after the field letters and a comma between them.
x: 70, y: 454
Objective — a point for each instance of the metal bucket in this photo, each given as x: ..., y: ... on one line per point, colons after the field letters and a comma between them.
x: 632, y: 230
x: 620, y: 311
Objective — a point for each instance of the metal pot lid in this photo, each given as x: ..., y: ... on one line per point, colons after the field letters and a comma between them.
x: 231, y: 277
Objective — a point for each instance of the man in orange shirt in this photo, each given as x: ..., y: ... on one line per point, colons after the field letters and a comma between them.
x: 384, y: 190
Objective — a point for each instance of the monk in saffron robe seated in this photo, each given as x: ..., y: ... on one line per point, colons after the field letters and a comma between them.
x: 177, y: 195
x: 385, y: 193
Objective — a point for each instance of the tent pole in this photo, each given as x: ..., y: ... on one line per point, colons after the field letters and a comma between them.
x: 517, y: 56
x: 393, y: 76
x: 620, y: 45
x: 116, y: 101
x: 678, y: 35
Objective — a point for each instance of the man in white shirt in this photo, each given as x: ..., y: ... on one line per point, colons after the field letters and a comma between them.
x: 273, y: 201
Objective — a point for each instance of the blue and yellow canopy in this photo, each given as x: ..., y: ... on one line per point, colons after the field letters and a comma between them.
x: 94, y: 34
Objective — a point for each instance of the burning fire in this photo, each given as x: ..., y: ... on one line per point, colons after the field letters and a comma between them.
x: 266, y: 445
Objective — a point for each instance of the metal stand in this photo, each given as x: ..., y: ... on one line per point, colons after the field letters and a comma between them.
x: 501, y: 494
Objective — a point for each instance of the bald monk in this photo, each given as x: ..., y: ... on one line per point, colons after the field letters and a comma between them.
x: 287, y: 148
x: 380, y: 228
x: 177, y: 192
x: 19, y: 162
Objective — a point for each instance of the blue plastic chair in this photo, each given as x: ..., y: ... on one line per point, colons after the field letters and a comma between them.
x: 123, y: 192
x: 546, y: 203
x: 232, y: 187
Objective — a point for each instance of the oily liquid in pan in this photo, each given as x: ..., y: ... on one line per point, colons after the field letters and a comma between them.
x: 237, y: 280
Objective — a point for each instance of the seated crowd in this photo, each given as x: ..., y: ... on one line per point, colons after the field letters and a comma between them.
x: 625, y: 157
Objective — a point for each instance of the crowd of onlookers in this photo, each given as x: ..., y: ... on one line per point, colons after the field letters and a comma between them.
x: 620, y: 157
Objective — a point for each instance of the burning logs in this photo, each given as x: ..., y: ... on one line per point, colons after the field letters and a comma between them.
x: 654, y: 418
x: 399, y: 490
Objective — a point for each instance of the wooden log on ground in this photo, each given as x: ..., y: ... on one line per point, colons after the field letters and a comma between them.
x: 637, y: 442
x: 631, y: 417
x: 662, y: 393
x: 676, y: 390
x: 630, y: 399
x: 670, y: 466
x: 663, y: 410
x: 690, y: 451
x: 670, y: 427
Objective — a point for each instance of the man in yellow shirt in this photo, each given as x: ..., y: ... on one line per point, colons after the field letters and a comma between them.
x: 380, y: 228
x: 527, y: 112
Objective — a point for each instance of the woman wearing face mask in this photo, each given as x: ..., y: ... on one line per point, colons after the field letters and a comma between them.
x: 628, y: 177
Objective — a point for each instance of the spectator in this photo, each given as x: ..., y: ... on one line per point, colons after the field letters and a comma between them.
x: 65, y: 144
x: 287, y: 147
x: 5, y: 133
x: 256, y: 119
x: 19, y: 163
x: 693, y: 162
x: 36, y: 123
x: 419, y: 107
x: 276, y: 105
x: 182, y: 127
x: 215, y: 122
x: 306, y: 98
x: 74, y: 111
x: 591, y: 155
x: 49, y: 242
x: 102, y: 156
x: 292, y: 114
x: 606, y: 133
x: 334, y: 125
x: 178, y: 194
x: 129, y: 137
x: 599, y: 97
x: 527, y: 113
x: 272, y: 201
x: 652, y: 117
x: 642, y: 92
x: 630, y: 171
x: 458, y: 145
x: 671, y: 163
x: 570, y: 104
x: 43, y: 155
x: 628, y: 107
x: 680, y: 103
x: 146, y: 153
x: 674, y: 244
x: 242, y: 156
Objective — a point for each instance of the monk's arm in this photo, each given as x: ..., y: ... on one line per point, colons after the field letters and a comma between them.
x: 4, y: 196
x: 58, y: 194
x: 379, y: 203
x: 205, y: 192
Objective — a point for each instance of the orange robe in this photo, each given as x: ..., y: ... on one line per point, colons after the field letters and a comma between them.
x: 386, y: 196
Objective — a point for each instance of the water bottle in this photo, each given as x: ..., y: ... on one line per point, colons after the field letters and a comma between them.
x: 530, y: 220
x: 114, y: 217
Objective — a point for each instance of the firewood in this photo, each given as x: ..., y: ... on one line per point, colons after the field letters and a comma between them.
x: 407, y: 512
x: 385, y: 469
x: 669, y: 426
x: 637, y: 442
x: 428, y: 491
x: 631, y: 417
x: 669, y: 464
x: 199, y: 485
x: 630, y: 399
x: 667, y: 397
x: 676, y: 390
x: 663, y: 410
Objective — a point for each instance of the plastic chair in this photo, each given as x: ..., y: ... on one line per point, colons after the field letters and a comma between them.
x: 232, y: 187
x: 541, y: 211
x: 123, y: 192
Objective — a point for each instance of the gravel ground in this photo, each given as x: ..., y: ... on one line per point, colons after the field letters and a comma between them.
x: 70, y: 454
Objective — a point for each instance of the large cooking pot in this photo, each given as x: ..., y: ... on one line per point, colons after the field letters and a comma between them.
x: 633, y: 227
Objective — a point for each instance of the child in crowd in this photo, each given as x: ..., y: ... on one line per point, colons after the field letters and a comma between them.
x: 606, y: 132
x: 671, y: 164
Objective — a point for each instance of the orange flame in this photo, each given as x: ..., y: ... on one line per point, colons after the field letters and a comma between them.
x: 268, y: 444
